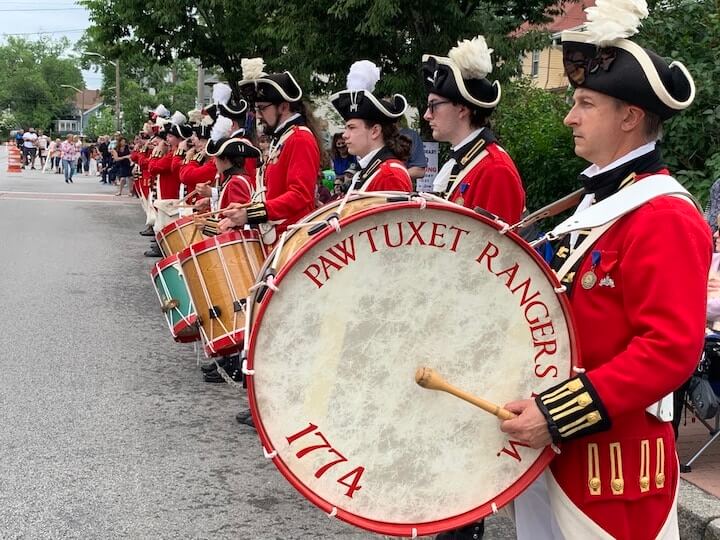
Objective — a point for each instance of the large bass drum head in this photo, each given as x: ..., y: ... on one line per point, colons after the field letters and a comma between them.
x: 335, y: 350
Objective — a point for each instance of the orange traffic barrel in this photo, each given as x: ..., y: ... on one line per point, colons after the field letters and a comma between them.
x: 14, y: 159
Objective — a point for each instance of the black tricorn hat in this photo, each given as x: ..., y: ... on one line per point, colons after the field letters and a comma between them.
x: 364, y: 105
x: 229, y: 147
x: 273, y: 88
x: 443, y: 78
x: 202, y: 131
x: 182, y: 131
x: 233, y: 109
x: 624, y: 70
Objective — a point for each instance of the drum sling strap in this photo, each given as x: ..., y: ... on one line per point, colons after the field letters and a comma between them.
x: 603, y: 215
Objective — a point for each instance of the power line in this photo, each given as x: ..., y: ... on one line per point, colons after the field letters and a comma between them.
x: 44, y: 9
x: 45, y: 32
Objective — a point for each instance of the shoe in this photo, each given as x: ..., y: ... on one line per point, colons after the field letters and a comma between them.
x: 67, y: 182
x: 148, y: 231
x: 244, y: 416
x: 232, y: 369
x: 154, y: 251
x: 223, y: 362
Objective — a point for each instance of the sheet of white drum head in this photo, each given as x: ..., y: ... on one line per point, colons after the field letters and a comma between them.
x: 336, y: 349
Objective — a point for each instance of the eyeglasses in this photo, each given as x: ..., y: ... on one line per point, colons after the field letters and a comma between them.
x: 261, y: 108
x: 578, y: 65
x: 432, y: 105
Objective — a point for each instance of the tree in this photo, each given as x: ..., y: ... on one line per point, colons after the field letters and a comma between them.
x: 318, y: 40
x: 689, y: 31
x: 33, y: 72
x: 101, y: 123
x: 529, y: 124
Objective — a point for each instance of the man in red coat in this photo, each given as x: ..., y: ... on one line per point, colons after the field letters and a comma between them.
x: 638, y: 297
x: 480, y: 172
x: 293, y: 160
x: 371, y: 131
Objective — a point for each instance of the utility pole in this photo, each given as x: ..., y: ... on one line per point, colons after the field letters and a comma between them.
x: 117, y: 94
x: 200, y: 85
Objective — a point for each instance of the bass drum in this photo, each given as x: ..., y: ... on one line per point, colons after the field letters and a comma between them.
x: 352, y: 315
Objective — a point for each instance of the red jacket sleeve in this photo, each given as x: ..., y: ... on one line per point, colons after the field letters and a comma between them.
x: 161, y: 165
x: 664, y: 259
x: 176, y: 164
x: 236, y: 191
x: 195, y: 173
x: 303, y: 164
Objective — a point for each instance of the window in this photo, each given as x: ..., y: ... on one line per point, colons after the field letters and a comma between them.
x: 535, y: 65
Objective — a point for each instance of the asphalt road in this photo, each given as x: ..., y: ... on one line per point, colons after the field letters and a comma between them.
x: 106, y: 428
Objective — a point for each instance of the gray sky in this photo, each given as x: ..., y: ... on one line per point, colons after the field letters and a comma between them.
x: 55, y: 18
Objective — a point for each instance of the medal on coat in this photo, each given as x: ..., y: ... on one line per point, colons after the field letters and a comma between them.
x: 463, y: 188
x: 589, y: 278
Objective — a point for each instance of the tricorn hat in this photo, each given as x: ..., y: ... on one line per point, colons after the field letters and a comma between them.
x: 231, y: 147
x: 358, y: 101
x: 462, y: 76
x: 201, y: 123
x: 273, y: 88
x: 602, y: 59
x: 179, y: 126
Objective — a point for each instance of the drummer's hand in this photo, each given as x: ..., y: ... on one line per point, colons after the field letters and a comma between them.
x: 183, y: 145
x: 530, y: 426
x: 236, y: 213
x: 204, y: 189
x: 202, y: 205
x: 713, y: 285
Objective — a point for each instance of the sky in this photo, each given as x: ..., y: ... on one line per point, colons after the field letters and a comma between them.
x: 54, y: 18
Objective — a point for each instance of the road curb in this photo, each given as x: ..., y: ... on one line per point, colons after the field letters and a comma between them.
x: 698, y: 513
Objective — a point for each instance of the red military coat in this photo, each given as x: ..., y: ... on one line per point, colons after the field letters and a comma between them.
x: 168, y: 184
x: 640, y: 336
x: 141, y: 160
x: 290, y: 176
x: 492, y: 182
x: 389, y: 175
x: 237, y: 189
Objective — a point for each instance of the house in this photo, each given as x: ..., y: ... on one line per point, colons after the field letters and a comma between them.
x: 85, y: 104
x: 545, y: 67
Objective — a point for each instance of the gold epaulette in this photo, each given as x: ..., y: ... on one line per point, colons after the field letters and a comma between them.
x: 256, y: 213
x: 199, y: 157
x: 157, y: 152
x: 179, y: 152
x: 573, y: 409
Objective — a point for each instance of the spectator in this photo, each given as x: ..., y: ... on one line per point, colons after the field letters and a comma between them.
x: 42, y: 148
x: 30, y: 148
x: 123, y: 166
x: 341, y: 159
x: 322, y: 193
x: 85, y: 150
x: 264, y: 145
x: 417, y: 162
x: 55, y: 155
x: 69, y: 156
x: 713, y: 208
x: 338, y: 191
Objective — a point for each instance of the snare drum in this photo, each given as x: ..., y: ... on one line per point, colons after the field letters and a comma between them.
x: 219, y: 272
x: 334, y: 351
x: 175, y: 300
x: 178, y: 235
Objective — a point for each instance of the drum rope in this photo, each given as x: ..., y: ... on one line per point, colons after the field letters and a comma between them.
x: 250, y: 259
x: 233, y: 293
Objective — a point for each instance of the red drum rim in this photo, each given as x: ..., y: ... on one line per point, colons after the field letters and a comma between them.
x: 170, y: 227
x: 220, y: 240
x: 225, y: 344
x: 182, y: 326
x: 406, y: 529
x: 161, y: 265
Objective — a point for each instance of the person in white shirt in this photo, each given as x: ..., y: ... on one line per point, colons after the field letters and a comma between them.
x: 30, y: 147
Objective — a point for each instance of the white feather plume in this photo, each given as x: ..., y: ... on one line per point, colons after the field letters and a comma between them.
x: 222, y: 128
x: 610, y: 20
x: 162, y: 111
x: 161, y: 121
x: 252, y: 68
x: 178, y: 118
x: 472, y: 57
x: 221, y: 93
x: 195, y: 116
x: 363, y: 75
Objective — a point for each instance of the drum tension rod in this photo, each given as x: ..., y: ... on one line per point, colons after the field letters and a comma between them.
x: 215, y: 312
x: 263, y: 289
x: 239, y: 305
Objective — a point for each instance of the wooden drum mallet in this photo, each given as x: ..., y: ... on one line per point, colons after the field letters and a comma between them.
x: 430, y: 379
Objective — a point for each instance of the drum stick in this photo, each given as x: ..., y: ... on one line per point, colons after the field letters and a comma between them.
x: 187, y: 197
x: 220, y: 211
x: 430, y: 379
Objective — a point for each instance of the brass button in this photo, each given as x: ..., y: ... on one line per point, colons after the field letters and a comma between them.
x: 594, y: 483
x: 618, y: 485
x: 660, y: 480
x: 584, y: 400
x: 593, y: 417
x: 644, y: 482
